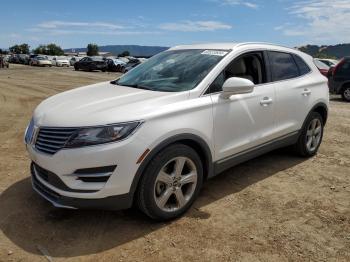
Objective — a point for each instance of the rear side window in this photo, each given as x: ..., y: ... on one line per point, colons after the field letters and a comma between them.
x: 344, y: 69
x: 303, y: 67
x: 282, y: 66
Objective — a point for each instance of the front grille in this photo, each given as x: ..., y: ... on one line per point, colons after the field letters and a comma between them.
x: 50, y: 140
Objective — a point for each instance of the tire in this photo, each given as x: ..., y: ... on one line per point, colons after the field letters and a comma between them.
x: 345, y: 93
x: 304, y: 147
x: 76, y: 68
x: 152, y: 191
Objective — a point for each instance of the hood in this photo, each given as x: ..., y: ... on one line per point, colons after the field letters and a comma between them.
x: 101, y: 104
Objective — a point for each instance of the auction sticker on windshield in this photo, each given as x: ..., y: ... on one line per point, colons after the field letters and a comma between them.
x: 214, y: 52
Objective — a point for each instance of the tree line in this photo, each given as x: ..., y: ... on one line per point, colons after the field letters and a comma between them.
x: 53, y: 49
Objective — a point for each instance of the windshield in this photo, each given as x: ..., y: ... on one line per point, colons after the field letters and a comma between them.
x: 173, y: 71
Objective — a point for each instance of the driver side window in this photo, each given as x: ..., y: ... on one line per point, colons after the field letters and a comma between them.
x: 249, y: 66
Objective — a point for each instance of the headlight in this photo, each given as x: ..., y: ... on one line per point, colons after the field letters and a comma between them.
x: 28, y: 134
x: 100, y: 135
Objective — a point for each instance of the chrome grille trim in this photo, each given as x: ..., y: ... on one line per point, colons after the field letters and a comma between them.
x: 52, y: 139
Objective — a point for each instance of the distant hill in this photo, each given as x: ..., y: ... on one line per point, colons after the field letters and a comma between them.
x: 330, y: 51
x: 134, y: 50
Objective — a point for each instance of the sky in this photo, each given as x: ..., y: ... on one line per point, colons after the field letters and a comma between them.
x: 76, y: 23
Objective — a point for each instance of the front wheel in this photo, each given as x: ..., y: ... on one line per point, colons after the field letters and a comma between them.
x: 170, y: 183
x: 346, y: 94
x: 311, y: 136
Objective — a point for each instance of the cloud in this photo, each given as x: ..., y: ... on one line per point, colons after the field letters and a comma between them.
x: 238, y: 2
x: 321, y: 21
x: 195, y: 26
x: 58, y: 32
x: 61, y: 24
x: 55, y: 28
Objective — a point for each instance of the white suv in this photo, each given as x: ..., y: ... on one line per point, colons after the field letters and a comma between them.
x: 187, y: 114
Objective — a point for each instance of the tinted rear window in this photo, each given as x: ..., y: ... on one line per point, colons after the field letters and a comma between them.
x: 303, y: 67
x: 344, y: 69
x: 283, y: 66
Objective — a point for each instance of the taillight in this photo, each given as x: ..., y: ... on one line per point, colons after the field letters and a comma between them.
x: 337, y: 66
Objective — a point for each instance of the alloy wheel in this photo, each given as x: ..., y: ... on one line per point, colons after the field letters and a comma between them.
x: 313, y: 135
x: 175, y: 184
x: 347, y: 93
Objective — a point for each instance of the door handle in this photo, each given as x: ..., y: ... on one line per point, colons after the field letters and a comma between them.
x: 306, y: 92
x: 266, y: 101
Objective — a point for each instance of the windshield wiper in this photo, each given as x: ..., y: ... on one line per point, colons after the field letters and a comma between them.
x: 115, y: 82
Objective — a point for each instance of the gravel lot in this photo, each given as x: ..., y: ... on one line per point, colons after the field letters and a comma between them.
x: 277, y: 207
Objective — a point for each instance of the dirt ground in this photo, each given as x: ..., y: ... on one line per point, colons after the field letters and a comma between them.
x: 277, y: 207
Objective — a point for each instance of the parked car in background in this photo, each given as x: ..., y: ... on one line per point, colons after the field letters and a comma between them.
x: 4, y: 62
x: 23, y: 59
x: 50, y: 57
x: 329, y: 62
x: 91, y: 63
x: 151, y: 138
x: 74, y: 59
x: 124, y: 59
x: 322, y: 67
x: 31, y: 58
x: 114, y: 64
x: 339, y: 80
x: 19, y: 59
x: 60, y: 61
x: 40, y: 61
x: 133, y: 62
x: 13, y: 59
x: 142, y: 59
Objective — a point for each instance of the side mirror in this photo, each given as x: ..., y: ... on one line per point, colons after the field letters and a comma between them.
x: 235, y: 86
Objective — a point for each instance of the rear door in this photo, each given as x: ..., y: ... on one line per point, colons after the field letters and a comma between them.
x: 342, y: 74
x: 81, y: 64
x: 293, y: 90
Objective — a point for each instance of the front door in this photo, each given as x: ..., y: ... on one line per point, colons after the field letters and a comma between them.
x: 244, y: 121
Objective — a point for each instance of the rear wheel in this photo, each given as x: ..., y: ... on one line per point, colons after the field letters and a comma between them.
x: 346, y: 94
x: 76, y: 68
x: 170, y: 183
x: 311, y: 136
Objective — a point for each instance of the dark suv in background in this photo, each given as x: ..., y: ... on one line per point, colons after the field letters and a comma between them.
x: 339, y: 79
x: 91, y: 63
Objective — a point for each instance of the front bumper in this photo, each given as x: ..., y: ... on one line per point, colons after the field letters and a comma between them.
x: 108, y: 203
x: 66, y: 162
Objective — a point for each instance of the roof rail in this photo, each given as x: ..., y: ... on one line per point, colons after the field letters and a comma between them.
x: 262, y: 43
